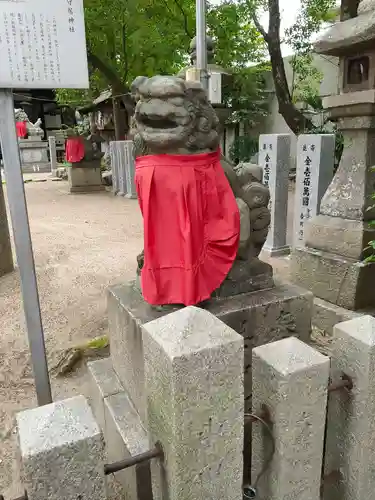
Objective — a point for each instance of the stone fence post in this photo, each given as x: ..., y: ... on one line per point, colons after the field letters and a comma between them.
x: 62, y: 452
x: 52, y: 154
x: 291, y: 379
x: 350, y: 448
x: 195, y: 393
x: 123, y: 168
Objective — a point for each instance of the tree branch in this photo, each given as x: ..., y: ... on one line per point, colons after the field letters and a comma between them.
x: 260, y: 28
x: 117, y: 85
x: 186, y: 24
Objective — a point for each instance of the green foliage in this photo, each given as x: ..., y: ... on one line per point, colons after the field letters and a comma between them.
x: 371, y: 245
x: 151, y: 37
x: 242, y: 149
x: 248, y: 97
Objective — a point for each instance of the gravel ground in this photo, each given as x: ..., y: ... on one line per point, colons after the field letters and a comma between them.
x: 82, y: 244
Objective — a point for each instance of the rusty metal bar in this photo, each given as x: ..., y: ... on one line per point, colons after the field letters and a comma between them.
x: 345, y: 383
x: 264, y: 415
x: 156, y: 452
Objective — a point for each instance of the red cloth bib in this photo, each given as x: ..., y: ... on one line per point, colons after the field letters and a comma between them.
x: 21, y: 128
x: 191, y: 226
x: 74, y: 150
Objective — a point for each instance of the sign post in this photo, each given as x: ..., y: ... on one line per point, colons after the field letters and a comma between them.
x: 42, y: 46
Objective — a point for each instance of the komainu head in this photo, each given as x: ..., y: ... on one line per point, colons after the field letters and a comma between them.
x: 172, y: 116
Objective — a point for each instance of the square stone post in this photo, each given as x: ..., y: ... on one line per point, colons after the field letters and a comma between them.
x: 129, y: 169
x: 194, y: 386
x: 123, y: 168
x: 52, y: 154
x: 274, y: 158
x: 62, y: 452
x: 291, y: 379
x: 6, y: 258
x: 350, y: 448
x: 315, y: 164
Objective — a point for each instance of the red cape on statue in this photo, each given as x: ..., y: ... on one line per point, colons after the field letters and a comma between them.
x: 191, y: 226
x: 74, y: 150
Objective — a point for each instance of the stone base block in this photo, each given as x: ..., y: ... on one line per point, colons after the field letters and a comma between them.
x: 276, y: 252
x: 245, y: 277
x: 36, y: 168
x: 260, y: 317
x: 122, y: 428
x: 85, y: 180
x: 327, y: 315
x: 342, y: 281
x: 340, y: 236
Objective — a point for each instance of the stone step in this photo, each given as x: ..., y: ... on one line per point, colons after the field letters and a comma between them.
x: 122, y: 429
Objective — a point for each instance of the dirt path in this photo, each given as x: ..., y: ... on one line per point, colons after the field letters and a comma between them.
x: 82, y: 244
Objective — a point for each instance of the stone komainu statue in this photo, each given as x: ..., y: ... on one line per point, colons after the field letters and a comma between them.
x: 173, y: 116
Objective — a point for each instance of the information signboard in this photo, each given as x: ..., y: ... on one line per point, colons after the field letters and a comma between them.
x: 42, y: 44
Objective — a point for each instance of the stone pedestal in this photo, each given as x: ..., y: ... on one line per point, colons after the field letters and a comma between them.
x: 6, y: 259
x: 259, y: 317
x: 85, y: 179
x: 34, y: 155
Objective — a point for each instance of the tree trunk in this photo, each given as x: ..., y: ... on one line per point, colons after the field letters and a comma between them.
x: 294, y: 118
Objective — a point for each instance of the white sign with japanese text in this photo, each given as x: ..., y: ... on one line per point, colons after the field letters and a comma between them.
x: 42, y: 44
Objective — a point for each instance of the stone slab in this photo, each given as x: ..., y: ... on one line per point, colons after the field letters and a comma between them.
x: 291, y: 379
x: 350, y: 447
x: 126, y: 437
x: 62, y: 452
x: 344, y: 237
x: 103, y: 383
x: 195, y: 405
x: 260, y: 317
x: 339, y: 280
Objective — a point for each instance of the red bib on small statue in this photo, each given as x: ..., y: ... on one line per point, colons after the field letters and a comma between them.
x: 191, y: 226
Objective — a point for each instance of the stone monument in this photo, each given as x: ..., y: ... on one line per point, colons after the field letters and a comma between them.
x: 85, y: 176
x: 331, y: 263
x: 33, y: 150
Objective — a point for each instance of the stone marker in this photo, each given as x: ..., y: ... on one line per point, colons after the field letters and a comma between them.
x: 123, y: 168
x: 62, y: 452
x: 274, y: 158
x: 52, y: 154
x: 6, y: 259
x: 291, y: 379
x: 350, y: 448
x: 194, y: 385
x: 315, y: 165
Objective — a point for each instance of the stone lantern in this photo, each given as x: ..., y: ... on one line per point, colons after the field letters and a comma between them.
x: 331, y: 264
x: 220, y: 80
